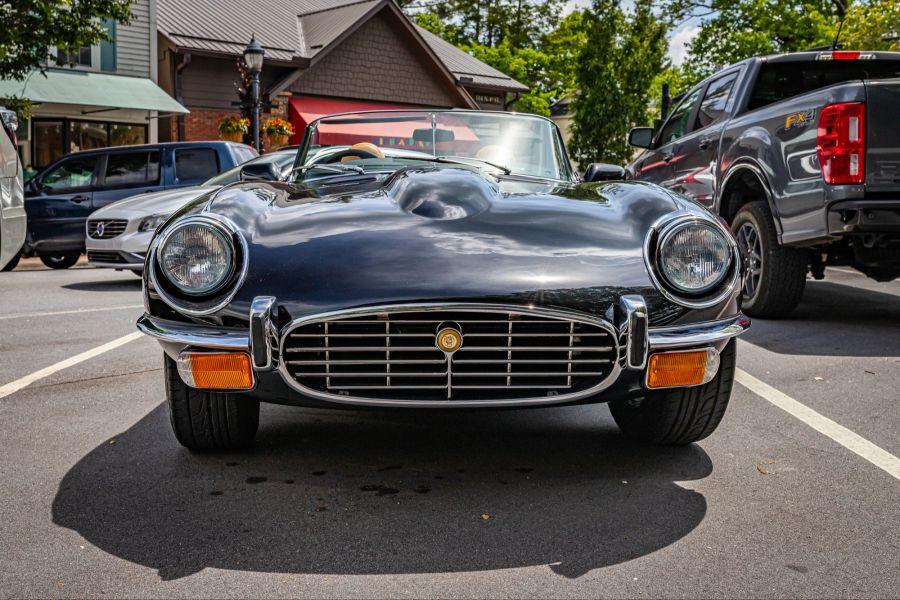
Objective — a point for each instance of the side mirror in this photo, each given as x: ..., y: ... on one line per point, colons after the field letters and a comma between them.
x: 260, y: 171
x: 603, y: 172
x: 640, y: 137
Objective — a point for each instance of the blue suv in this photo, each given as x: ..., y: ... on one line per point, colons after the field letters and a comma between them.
x: 60, y: 197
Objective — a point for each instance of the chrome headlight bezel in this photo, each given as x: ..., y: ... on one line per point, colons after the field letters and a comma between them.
x: 219, y: 296
x: 710, y: 295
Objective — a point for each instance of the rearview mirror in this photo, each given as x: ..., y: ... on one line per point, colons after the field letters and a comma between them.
x: 640, y: 137
x: 603, y: 172
x: 260, y: 171
x: 440, y: 135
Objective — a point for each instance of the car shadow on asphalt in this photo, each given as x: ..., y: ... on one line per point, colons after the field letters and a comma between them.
x: 341, y: 492
x: 112, y: 285
x: 834, y: 320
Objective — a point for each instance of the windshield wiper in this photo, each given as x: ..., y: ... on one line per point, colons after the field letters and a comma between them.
x: 457, y: 160
x: 337, y: 168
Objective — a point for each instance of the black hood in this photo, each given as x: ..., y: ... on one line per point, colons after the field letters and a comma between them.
x: 441, y: 233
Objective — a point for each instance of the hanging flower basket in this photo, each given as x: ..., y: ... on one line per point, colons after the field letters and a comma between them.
x: 278, y: 131
x: 233, y: 129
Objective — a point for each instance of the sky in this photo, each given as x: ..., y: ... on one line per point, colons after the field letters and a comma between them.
x: 678, y: 40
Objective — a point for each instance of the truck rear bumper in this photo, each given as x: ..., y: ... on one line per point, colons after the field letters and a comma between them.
x: 864, y: 216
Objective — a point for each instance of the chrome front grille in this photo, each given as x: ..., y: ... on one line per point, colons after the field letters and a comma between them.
x: 106, y: 229
x: 507, y: 354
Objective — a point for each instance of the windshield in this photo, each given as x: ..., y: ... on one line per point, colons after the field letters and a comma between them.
x: 284, y: 160
x: 368, y: 142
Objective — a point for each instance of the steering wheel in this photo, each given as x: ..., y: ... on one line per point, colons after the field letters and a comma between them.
x: 356, y: 154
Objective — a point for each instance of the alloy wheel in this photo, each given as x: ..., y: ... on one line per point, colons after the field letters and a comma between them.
x: 751, y: 249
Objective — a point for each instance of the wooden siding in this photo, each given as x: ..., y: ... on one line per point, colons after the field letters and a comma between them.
x: 377, y: 62
x: 133, y: 42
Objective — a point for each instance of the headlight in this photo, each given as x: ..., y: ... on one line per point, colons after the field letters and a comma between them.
x: 694, y: 257
x: 152, y: 223
x: 197, y: 258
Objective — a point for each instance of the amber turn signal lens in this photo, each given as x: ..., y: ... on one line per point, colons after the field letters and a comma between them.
x: 683, y: 368
x: 216, y: 371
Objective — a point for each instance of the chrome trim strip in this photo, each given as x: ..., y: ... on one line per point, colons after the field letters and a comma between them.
x: 216, y: 221
x: 660, y: 228
x: 636, y: 322
x: 261, y: 332
x: 697, y: 334
x: 457, y: 307
x: 191, y: 334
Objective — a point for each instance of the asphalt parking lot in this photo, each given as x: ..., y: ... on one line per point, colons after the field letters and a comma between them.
x: 783, y: 500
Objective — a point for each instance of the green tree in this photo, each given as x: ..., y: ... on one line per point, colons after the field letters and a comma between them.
x: 32, y: 27
x: 487, y: 22
x: 872, y: 26
x: 732, y: 30
x: 623, y: 54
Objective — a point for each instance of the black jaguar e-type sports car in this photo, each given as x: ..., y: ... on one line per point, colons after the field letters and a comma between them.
x: 435, y: 259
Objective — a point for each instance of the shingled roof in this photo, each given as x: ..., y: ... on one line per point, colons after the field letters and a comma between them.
x: 297, y: 31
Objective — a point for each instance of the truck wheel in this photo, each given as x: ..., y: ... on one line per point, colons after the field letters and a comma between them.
x: 208, y: 420
x: 14, y: 261
x: 776, y: 275
x: 679, y: 416
x: 60, y: 261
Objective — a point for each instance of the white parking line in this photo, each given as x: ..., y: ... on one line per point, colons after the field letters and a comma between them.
x: 882, y: 459
x: 847, y: 271
x: 18, y: 384
x: 69, y: 312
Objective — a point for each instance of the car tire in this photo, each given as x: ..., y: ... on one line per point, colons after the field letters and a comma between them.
x: 679, y: 416
x: 60, y: 261
x: 13, y: 262
x: 776, y: 275
x: 208, y: 420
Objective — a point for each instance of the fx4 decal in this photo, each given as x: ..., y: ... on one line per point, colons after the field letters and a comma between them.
x: 799, y: 119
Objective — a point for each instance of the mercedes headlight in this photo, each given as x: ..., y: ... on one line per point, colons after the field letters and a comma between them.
x: 694, y: 257
x: 152, y: 222
x: 197, y: 257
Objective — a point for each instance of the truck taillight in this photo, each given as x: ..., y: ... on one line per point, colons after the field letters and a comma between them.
x: 841, y: 143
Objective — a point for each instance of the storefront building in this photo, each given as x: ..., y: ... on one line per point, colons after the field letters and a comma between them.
x: 322, y: 57
x: 107, y: 96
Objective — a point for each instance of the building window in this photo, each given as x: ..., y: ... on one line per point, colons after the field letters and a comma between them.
x: 53, y: 138
x: 81, y: 57
x: 87, y: 135
x: 108, y: 48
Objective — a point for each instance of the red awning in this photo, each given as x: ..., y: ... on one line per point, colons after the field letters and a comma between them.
x: 304, y: 110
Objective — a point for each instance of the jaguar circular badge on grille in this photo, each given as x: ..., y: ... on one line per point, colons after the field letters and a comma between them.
x: 449, y: 339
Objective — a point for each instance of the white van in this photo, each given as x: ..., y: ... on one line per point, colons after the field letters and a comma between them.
x: 12, y: 194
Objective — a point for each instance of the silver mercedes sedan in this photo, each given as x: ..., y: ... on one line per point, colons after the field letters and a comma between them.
x: 119, y: 234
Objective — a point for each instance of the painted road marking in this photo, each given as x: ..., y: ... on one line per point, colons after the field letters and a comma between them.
x: 847, y: 271
x: 69, y: 312
x: 882, y: 459
x: 18, y: 384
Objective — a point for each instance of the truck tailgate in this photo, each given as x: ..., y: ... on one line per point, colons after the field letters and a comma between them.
x: 883, y: 135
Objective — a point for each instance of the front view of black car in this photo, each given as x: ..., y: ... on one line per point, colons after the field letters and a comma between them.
x: 443, y: 259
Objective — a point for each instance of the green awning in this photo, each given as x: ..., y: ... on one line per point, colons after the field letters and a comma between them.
x: 88, y: 89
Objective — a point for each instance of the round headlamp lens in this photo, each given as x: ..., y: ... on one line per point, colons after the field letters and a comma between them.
x: 694, y: 257
x: 197, y: 258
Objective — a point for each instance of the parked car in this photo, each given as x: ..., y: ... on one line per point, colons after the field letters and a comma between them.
x: 474, y: 270
x: 800, y: 153
x: 119, y: 234
x: 12, y: 209
x: 60, y: 197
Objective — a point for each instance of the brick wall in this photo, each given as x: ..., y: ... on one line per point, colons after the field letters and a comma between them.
x: 201, y: 125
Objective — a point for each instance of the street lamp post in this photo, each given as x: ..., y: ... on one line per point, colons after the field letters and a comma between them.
x: 253, y: 57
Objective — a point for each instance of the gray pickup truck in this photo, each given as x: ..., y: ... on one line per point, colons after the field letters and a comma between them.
x: 800, y: 153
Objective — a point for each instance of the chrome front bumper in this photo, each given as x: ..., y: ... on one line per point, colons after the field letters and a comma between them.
x: 260, y: 338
